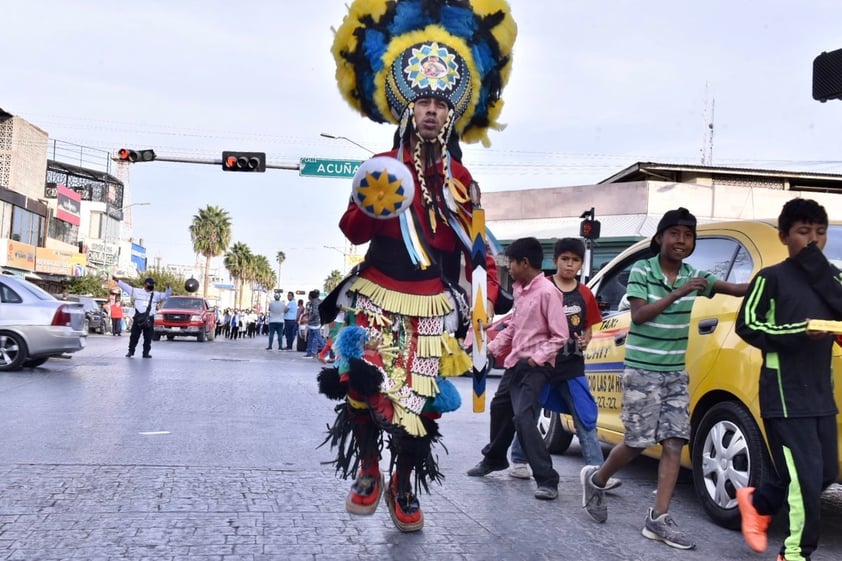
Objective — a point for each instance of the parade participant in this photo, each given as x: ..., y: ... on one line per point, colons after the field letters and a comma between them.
x: 436, y: 69
x: 656, y: 398
x: 778, y: 316
x: 530, y: 344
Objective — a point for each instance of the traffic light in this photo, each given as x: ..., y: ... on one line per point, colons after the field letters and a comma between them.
x: 827, y: 76
x: 589, y: 229
x: 244, y: 161
x: 126, y: 155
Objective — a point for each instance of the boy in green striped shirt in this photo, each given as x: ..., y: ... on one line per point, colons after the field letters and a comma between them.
x: 661, y: 291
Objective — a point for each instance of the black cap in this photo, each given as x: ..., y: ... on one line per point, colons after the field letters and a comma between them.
x: 149, y: 280
x: 678, y: 217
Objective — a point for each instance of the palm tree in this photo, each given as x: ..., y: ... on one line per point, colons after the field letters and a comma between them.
x: 332, y: 280
x: 210, y: 233
x: 262, y: 276
x: 279, y: 259
x: 237, y: 262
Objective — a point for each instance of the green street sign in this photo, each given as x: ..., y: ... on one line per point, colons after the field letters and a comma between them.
x: 316, y: 167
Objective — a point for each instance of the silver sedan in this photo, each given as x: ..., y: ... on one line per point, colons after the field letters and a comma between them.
x: 34, y: 326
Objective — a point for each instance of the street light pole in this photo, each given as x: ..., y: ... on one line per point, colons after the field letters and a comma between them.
x: 344, y: 253
x: 134, y: 204
x: 345, y: 138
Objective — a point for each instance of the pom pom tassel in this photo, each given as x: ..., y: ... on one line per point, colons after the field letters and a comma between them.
x: 329, y: 384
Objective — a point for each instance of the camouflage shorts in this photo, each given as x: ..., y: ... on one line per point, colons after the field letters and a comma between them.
x: 656, y: 406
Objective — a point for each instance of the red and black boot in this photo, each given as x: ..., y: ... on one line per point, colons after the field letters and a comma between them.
x: 365, y: 492
x: 404, y: 507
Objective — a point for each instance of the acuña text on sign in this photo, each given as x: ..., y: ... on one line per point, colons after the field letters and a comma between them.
x: 317, y: 167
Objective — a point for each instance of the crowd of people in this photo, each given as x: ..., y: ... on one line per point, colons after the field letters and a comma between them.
x: 236, y: 323
x: 439, y: 79
x: 296, y: 324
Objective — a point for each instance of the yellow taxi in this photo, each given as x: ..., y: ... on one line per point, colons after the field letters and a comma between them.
x: 727, y: 449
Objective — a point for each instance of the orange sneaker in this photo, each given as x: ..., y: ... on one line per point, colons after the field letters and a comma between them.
x: 364, y: 495
x: 754, y: 524
x: 404, y: 508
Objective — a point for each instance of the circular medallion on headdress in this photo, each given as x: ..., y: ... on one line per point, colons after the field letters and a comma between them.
x: 429, y: 69
x: 383, y: 187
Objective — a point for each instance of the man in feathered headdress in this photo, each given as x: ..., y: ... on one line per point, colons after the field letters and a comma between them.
x: 436, y: 69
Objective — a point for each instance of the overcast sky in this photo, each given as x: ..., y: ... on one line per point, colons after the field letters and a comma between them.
x: 595, y: 87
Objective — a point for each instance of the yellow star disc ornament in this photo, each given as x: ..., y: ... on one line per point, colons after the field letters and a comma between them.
x: 383, y: 187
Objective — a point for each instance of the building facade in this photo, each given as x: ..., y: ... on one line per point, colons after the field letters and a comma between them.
x: 59, y: 220
x: 630, y: 203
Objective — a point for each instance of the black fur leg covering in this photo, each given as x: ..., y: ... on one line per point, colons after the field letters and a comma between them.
x: 355, y: 437
x: 411, y: 453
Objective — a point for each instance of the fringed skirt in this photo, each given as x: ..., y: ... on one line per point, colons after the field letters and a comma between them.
x: 412, y: 335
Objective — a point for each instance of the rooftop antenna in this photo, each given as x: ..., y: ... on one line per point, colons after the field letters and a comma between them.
x: 707, y: 140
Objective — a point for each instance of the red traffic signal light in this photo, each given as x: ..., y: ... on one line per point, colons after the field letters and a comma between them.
x: 244, y: 161
x: 589, y: 229
x: 126, y: 155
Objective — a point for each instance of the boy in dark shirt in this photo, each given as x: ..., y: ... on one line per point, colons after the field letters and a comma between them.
x: 796, y: 384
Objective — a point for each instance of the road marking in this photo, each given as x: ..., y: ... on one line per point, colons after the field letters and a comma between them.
x: 153, y: 432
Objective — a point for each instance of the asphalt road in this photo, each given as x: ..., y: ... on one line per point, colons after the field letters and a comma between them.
x: 209, y: 452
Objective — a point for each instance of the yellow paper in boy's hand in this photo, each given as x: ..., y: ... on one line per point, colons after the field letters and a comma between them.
x: 827, y: 325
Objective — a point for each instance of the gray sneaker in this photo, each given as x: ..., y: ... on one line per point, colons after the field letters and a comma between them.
x: 593, y: 497
x: 484, y: 468
x: 666, y: 530
x: 546, y: 493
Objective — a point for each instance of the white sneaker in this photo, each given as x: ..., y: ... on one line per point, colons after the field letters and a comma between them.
x: 520, y: 471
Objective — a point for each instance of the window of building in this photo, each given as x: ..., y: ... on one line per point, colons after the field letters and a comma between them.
x: 103, y: 227
x: 6, y: 219
x: 27, y: 227
x: 64, y: 231
x: 95, y: 225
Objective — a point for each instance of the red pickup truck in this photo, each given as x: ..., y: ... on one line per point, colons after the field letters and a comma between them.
x: 185, y: 316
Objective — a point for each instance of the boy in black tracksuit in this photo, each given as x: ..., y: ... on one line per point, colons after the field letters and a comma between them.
x: 796, y: 385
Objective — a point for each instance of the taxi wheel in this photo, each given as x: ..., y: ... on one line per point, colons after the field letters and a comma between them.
x: 556, y: 439
x: 728, y: 453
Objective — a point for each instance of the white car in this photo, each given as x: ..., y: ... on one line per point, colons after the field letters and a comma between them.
x: 34, y: 326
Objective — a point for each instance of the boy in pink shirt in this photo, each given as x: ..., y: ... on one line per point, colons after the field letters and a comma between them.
x: 530, y: 344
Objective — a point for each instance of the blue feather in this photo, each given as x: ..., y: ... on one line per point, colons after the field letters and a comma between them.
x: 409, y: 16
x: 483, y: 58
x: 448, y: 398
x: 458, y: 21
x: 350, y: 343
x: 374, y: 45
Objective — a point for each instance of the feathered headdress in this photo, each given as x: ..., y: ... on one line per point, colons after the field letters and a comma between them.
x: 391, y: 52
